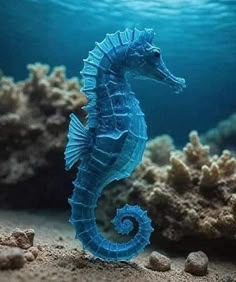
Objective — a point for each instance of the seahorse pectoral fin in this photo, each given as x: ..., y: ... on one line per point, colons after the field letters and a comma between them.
x: 79, y: 142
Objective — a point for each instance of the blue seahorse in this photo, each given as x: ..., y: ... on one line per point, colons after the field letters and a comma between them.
x: 111, y: 143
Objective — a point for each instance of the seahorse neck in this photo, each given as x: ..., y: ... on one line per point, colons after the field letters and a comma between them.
x: 113, y: 66
x: 108, y: 84
x: 104, y: 75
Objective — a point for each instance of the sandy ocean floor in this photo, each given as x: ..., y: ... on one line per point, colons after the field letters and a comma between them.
x: 61, y: 258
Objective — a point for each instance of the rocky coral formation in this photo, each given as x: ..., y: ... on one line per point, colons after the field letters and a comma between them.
x: 17, y: 248
x: 159, y: 149
x: 222, y: 136
x: 193, y: 196
x: 23, y: 239
x: 34, y: 115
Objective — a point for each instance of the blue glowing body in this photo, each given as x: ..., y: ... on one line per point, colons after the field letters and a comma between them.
x: 111, y: 143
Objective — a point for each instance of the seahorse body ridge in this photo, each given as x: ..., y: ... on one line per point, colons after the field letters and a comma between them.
x: 111, y: 143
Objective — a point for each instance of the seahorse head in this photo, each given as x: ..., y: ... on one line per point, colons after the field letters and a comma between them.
x: 145, y: 61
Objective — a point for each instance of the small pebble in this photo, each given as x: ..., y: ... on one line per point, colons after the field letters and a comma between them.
x: 11, y: 258
x: 58, y: 246
x: 159, y: 262
x: 29, y: 256
x: 197, y: 263
x: 34, y: 251
x: 40, y: 248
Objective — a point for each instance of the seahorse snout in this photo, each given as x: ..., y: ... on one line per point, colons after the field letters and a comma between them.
x: 165, y: 76
x: 177, y: 83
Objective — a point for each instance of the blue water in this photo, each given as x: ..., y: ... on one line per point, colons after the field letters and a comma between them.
x: 197, y: 38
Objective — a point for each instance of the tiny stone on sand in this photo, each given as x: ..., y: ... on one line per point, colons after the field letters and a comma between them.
x: 159, y: 262
x: 11, y: 258
x: 197, y: 263
x: 32, y: 253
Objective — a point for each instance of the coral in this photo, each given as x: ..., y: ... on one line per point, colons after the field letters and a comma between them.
x: 233, y: 205
x: 9, y: 95
x: 222, y: 136
x: 209, y: 176
x: 33, y: 122
x: 178, y: 173
x: 195, y: 153
x: 159, y: 149
x: 193, y: 196
x: 226, y: 163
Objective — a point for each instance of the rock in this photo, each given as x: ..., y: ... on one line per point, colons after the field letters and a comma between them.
x: 29, y: 256
x: 23, y: 239
x: 197, y: 263
x: 159, y: 262
x: 11, y: 258
x: 34, y: 251
x: 40, y: 248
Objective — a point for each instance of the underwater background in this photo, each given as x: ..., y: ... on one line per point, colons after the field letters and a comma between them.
x: 186, y: 181
x: 197, y: 39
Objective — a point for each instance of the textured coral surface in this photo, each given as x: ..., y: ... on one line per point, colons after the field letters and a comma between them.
x: 223, y: 135
x: 193, y: 194
x: 33, y: 122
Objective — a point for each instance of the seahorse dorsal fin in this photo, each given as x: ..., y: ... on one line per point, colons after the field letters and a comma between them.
x: 78, y: 142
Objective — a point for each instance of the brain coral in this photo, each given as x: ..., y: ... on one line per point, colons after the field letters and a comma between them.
x: 33, y: 122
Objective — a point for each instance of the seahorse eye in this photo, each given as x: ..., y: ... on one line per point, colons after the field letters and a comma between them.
x: 156, y: 53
